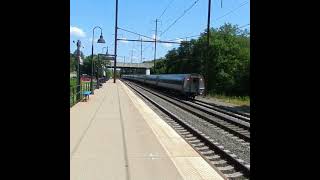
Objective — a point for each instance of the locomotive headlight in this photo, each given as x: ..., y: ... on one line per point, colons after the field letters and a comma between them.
x: 200, y: 79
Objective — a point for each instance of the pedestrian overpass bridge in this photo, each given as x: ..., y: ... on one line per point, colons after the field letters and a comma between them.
x: 131, y: 65
x: 132, y: 68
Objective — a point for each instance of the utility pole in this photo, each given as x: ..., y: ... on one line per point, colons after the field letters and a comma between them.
x: 115, y: 44
x: 124, y: 64
x: 208, y: 42
x: 131, y: 61
x: 141, y: 50
x: 155, y: 46
x: 97, y: 72
x: 78, y: 70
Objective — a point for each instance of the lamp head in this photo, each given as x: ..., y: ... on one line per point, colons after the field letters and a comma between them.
x: 101, y: 40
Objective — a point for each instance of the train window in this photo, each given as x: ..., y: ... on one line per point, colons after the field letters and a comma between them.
x: 171, y: 81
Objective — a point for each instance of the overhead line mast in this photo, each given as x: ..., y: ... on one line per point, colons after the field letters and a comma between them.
x: 155, y: 47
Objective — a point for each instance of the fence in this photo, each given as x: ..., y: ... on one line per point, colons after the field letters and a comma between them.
x: 85, y: 86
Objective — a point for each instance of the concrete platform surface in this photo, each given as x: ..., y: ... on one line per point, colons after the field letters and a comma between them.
x: 116, y: 136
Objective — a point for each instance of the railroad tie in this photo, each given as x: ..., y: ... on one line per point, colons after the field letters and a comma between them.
x: 194, y: 141
x: 219, y: 163
x: 198, y: 144
x: 203, y: 148
x: 213, y: 157
x: 227, y: 169
x: 191, y: 138
x: 210, y: 152
x: 234, y: 175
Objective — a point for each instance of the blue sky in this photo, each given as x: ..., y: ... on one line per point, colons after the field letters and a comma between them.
x: 139, y: 16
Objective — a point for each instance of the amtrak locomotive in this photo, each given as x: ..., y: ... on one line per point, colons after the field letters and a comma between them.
x: 189, y: 85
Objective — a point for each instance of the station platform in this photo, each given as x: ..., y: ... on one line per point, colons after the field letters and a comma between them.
x: 116, y: 136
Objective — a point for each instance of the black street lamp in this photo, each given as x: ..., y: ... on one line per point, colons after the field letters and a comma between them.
x: 100, y: 40
x: 78, y: 69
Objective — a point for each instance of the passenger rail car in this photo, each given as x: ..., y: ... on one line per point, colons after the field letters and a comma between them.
x: 189, y: 85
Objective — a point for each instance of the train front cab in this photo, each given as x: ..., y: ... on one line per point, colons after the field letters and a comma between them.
x: 194, y: 85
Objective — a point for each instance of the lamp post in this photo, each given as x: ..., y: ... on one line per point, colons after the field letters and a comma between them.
x: 78, y: 69
x: 79, y: 62
x: 100, y: 40
x: 115, y: 44
x: 97, y: 73
x: 105, y: 48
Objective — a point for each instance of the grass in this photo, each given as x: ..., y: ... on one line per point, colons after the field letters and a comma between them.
x: 73, y: 82
x: 236, y: 100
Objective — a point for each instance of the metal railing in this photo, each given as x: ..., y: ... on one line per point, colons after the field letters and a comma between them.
x: 85, y: 86
x: 74, y: 93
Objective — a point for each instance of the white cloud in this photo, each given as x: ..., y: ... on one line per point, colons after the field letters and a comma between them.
x: 95, y: 39
x: 168, y: 45
x: 179, y: 40
x: 126, y: 42
x: 153, y: 36
x: 144, y: 38
x: 75, y: 31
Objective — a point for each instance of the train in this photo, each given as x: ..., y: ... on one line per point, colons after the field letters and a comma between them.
x: 189, y: 85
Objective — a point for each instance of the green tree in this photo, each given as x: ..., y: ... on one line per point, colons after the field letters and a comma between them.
x: 73, y: 62
x: 228, y: 60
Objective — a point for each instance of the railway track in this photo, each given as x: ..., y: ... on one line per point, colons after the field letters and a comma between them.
x: 232, y: 116
x: 221, y: 159
x: 226, y: 115
x: 229, y: 111
x: 213, y: 109
x: 230, y: 124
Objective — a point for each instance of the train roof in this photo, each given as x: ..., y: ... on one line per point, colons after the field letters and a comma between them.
x: 165, y: 75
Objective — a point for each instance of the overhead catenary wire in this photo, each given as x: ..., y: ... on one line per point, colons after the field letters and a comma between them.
x: 184, y: 37
x: 188, y: 9
x: 135, y: 33
x: 190, y: 37
x: 175, y: 39
x: 200, y: 34
x: 184, y: 13
x: 244, y: 26
x: 232, y: 10
x: 165, y: 9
